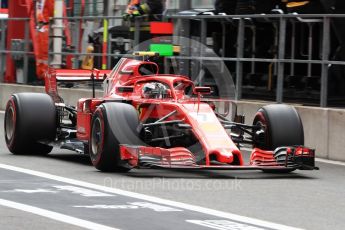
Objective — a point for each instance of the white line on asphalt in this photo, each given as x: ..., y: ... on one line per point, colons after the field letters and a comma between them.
x: 189, y: 207
x: 223, y: 225
x: 55, y: 216
x: 81, y: 191
x: 316, y: 159
x: 2, y: 112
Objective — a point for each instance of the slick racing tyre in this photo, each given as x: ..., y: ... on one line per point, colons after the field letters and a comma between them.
x: 112, y: 124
x: 29, y: 119
x: 281, y: 126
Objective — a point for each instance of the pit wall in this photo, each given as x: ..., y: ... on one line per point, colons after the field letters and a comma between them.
x: 324, y: 128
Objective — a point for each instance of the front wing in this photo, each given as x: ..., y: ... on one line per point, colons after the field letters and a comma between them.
x: 285, y: 158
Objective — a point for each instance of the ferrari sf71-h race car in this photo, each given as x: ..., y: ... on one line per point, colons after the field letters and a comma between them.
x: 151, y: 120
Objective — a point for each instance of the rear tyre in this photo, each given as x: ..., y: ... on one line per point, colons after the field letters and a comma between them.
x: 30, y: 118
x: 112, y: 124
x: 281, y: 126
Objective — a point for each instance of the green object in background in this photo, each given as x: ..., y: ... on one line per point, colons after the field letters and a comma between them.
x: 162, y: 49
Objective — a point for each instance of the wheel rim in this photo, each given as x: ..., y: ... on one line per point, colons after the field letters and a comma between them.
x: 262, y: 125
x: 9, y: 123
x: 261, y: 140
x: 96, y: 138
x: 264, y: 130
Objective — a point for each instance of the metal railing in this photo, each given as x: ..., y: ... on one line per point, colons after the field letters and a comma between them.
x: 280, y: 60
x: 3, y: 51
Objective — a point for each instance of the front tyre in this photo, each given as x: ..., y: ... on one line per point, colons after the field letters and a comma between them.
x: 29, y: 119
x: 281, y: 126
x: 113, y: 124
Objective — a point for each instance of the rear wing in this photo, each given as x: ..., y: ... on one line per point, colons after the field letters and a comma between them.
x: 53, y: 76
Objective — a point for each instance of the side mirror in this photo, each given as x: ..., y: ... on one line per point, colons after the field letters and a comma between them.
x: 125, y: 89
x: 202, y: 90
x: 126, y: 72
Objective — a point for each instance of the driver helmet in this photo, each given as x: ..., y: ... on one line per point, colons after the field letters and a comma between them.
x: 154, y: 90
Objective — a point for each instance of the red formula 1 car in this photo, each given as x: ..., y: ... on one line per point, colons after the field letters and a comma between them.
x: 146, y: 119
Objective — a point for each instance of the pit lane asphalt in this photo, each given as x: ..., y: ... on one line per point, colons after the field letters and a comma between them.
x: 303, y: 199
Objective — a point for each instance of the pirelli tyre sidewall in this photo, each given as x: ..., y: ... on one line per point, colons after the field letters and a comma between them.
x: 112, y: 124
x: 30, y: 118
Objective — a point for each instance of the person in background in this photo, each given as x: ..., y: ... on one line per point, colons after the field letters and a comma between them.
x: 44, y: 10
x: 304, y: 7
x: 225, y: 6
x: 144, y: 7
x: 136, y: 8
x: 232, y: 7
